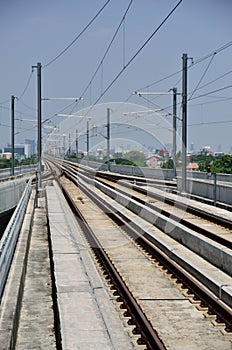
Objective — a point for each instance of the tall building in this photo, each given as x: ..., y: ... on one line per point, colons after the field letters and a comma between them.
x: 191, y: 147
x: 32, y: 146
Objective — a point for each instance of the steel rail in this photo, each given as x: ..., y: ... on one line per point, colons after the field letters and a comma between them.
x: 199, y: 229
x: 178, y: 204
x: 114, y: 176
x: 202, y: 214
x: 143, y: 326
x: 215, y: 306
x: 173, y: 202
x: 223, y: 312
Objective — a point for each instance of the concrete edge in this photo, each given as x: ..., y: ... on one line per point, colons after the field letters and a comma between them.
x: 12, y: 297
x: 208, y: 250
x: 57, y: 326
x: 106, y: 308
x: 213, y: 284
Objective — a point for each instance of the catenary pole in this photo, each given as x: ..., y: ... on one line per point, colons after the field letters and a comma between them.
x: 39, y: 137
x: 12, y: 136
x: 69, y: 146
x: 184, y: 120
x: 39, y: 125
x: 77, y: 145
x: 87, y: 143
x: 174, y: 129
x: 108, y: 138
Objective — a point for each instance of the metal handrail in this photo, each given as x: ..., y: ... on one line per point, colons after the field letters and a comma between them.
x: 10, y: 236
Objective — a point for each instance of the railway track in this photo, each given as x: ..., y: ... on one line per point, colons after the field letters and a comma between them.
x: 217, y: 228
x: 141, y: 325
x: 165, y: 208
x: 196, y: 291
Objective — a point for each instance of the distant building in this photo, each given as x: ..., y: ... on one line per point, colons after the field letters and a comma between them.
x: 30, y: 146
x: 6, y: 155
x: 163, y: 153
x: 154, y: 162
x: 206, y: 150
x: 24, y: 150
x: 192, y: 166
x: 191, y: 147
x: 20, y: 149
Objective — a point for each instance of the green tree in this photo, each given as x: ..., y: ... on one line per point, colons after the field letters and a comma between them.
x: 136, y: 157
x: 168, y: 164
x: 5, y: 163
x: 218, y: 164
x: 222, y: 164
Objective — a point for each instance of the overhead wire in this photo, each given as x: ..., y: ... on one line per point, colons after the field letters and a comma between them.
x: 27, y: 85
x: 77, y: 37
x: 223, y: 99
x: 211, y: 92
x: 25, y: 130
x: 60, y: 111
x: 212, y: 55
x: 5, y: 125
x: 212, y: 122
x: 214, y: 80
x: 160, y: 80
x: 108, y: 47
x: 227, y: 45
x: 3, y: 102
x: 155, y: 104
x: 138, y: 51
x: 202, y: 77
x: 25, y: 105
x: 19, y: 112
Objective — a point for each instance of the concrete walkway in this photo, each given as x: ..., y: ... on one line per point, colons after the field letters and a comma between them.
x: 66, y: 282
x: 36, y: 324
x: 88, y: 319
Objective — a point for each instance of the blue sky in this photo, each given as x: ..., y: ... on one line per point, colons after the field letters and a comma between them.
x: 32, y: 31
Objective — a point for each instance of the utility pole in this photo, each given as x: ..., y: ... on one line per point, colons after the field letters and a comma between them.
x: 174, y: 130
x: 174, y: 94
x: 108, y: 138
x: 77, y: 145
x: 69, y: 146
x: 12, y: 136
x: 87, y: 141
x: 64, y: 144
x: 39, y: 126
x: 184, y: 120
x: 39, y: 140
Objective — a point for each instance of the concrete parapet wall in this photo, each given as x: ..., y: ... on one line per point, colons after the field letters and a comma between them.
x: 204, y: 176
x: 166, y: 174
x: 10, y: 193
x: 178, y: 248
x: 198, y: 183
x: 214, y: 253
x: 207, y: 189
x: 12, y: 297
x: 18, y: 170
